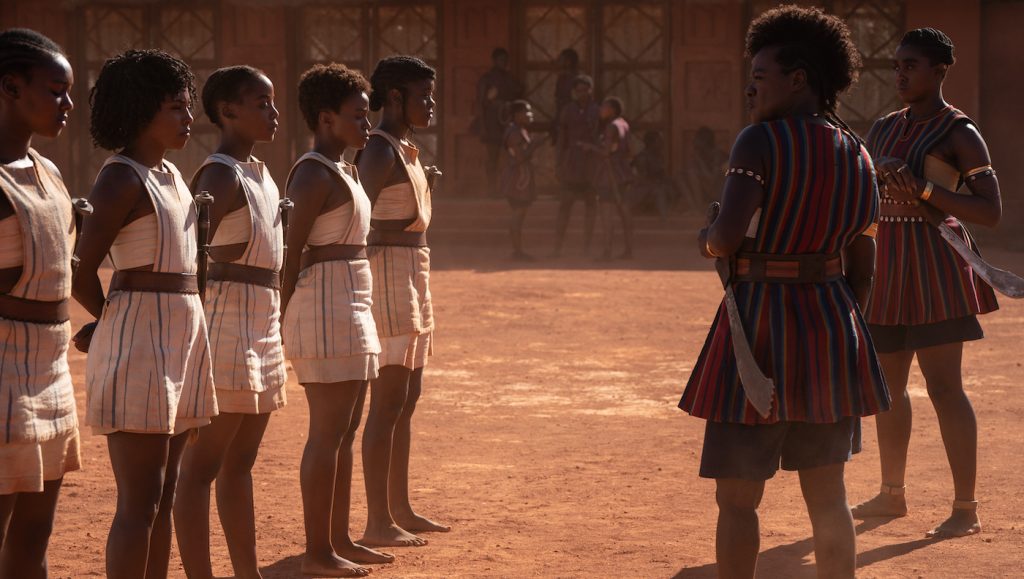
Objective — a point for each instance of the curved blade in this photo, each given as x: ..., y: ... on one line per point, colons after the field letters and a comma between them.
x: 758, y: 388
x: 1007, y: 283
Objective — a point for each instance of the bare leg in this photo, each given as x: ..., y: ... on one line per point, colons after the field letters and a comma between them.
x: 893, y: 429
x: 160, y: 540
x: 589, y: 218
x: 340, y: 539
x: 138, y: 462
x: 199, y: 468
x: 738, y: 538
x: 235, y: 505
x: 387, y: 401
x: 562, y: 220
x: 330, y: 413
x: 23, y: 552
x: 605, y: 210
x: 516, y: 231
x: 835, y: 539
x: 398, y: 481
x: 626, y: 218
x: 941, y: 366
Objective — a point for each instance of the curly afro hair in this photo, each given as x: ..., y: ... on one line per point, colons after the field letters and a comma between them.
x: 811, y: 40
x: 933, y: 43
x: 225, y: 86
x: 22, y: 49
x: 324, y: 87
x: 395, y: 72
x: 129, y: 92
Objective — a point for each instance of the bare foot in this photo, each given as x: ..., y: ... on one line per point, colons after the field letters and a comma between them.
x: 883, y: 505
x: 360, y: 554
x: 416, y: 524
x: 331, y: 566
x: 390, y: 536
x: 959, y: 524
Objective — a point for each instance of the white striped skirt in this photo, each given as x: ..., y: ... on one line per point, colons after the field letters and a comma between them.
x: 244, y: 322
x: 401, y: 290
x: 329, y: 333
x: 149, y: 368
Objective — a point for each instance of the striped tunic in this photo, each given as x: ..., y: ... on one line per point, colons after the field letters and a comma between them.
x: 37, y: 399
x: 919, y: 278
x: 401, y: 275
x: 149, y: 367
x: 329, y: 333
x: 244, y: 320
x: 810, y: 338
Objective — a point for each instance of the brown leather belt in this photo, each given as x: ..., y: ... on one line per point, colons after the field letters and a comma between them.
x: 895, y: 211
x: 9, y: 277
x: 779, y: 268
x: 33, y: 311
x: 337, y: 252
x: 241, y: 273
x: 154, y: 281
x: 398, y: 238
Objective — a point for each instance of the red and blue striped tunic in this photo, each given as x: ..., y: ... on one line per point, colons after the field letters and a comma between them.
x: 919, y: 278
x: 810, y: 338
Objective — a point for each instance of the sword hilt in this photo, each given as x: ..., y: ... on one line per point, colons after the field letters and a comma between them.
x: 203, y: 203
x: 286, y: 205
x: 82, y: 209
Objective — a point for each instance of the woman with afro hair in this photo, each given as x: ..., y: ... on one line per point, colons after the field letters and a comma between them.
x: 329, y: 333
x: 38, y: 423
x: 148, y: 378
x: 398, y: 186
x: 926, y: 297
x: 799, y: 204
x: 242, y: 305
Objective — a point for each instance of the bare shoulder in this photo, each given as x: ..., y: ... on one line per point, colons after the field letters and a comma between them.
x: 310, y: 177
x: 750, y: 148
x: 117, y: 184
x: 50, y: 166
x: 377, y: 156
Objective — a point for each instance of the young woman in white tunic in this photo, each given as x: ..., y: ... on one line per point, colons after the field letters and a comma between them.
x: 329, y: 333
x: 242, y: 307
x: 38, y: 424
x: 149, y: 377
x: 403, y: 88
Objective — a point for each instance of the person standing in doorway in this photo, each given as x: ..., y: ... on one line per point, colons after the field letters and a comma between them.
x: 495, y: 90
x: 577, y: 137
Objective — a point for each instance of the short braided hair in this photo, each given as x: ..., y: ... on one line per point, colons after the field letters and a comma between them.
x: 933, y: 42
x: 811, y: 40
x: 396, y: 72
x: 225, y: 85
x: 129, y: 92
x: 324, y: 87
x: 21, y: 49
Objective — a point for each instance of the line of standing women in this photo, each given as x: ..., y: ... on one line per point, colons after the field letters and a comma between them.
x: 174, y: 377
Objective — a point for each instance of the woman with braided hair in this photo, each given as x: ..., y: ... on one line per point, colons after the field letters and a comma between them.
x: 795, y: 248
x: 242, y: 307
x: 148, y: 376
x: 38, y: 424
x: 926, y: 298
x: 399, y: 189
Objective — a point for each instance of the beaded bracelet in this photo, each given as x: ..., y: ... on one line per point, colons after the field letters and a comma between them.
x: 746, y: 173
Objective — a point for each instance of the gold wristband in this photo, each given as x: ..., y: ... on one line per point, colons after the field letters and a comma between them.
x: 928, y: 187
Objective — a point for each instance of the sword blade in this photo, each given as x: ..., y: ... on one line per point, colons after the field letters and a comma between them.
x: 758, y: 388
x: 1007, y: 283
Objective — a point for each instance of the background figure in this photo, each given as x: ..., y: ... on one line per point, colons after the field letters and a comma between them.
x: 613, y: 177
x: 517, y: 184
x: 651, y: 189
x: 569, y: 62
x: 577, y: 135
x: 495, y: 89
x: 704, y: 174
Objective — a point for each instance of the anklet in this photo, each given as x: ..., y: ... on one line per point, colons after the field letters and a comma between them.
x: 965, y: 505
x: 893, y: 490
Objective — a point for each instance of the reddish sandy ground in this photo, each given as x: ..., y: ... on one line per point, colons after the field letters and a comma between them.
x: 549, y: 438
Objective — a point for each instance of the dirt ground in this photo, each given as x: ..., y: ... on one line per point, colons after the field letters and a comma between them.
x: 548, y: 436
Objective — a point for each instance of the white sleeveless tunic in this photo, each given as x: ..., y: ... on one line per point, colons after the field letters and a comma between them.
x: 329, y: 334
x: 149, y: 367
x: 244, y: 320
x: 38, y: 422
x: 402, y: 304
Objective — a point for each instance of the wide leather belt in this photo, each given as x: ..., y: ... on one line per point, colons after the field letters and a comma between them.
x: 33, y: 311
x: 154, y: 281
x: 9, y: 277
x: 337, y: 252
x: 895, y: 212
x: 399, y: 238
x: 779, y: 268
x: 241, y: 273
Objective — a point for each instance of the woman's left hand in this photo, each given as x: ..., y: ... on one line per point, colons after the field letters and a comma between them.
x: 902, y: 185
